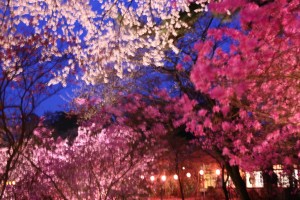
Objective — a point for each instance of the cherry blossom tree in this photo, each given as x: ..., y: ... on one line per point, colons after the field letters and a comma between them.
x: 105, y: 36
x: 25, y: 70
x: 114, y: 148
x: 258, y: 75
x: 251, y: 119
x: 100, y: 164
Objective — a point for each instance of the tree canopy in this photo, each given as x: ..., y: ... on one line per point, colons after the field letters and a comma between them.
x: 225, y: 74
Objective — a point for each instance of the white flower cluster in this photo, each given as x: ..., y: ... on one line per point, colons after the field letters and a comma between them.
x: 117, y: 35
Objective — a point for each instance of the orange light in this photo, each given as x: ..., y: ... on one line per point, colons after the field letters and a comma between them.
x: 188, y: 175
x: 152, y: 178
x: 175, y: 177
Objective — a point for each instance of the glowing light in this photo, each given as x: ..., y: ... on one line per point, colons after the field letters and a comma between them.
x: 152, y: 178
x: 175, y: 177
x: 188, y: 175
x: 183, y: 168
x: 201, y: 172
x: 218, y: 172
x: 163, y: 178
x: 142, y: 176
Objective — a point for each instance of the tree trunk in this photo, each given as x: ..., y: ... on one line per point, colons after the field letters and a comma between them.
x: 181, y: 188
x: 224, y: 184
x: 239, y: 183
x: 179, y: 179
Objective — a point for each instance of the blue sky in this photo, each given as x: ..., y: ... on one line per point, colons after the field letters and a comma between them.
x: 57, y: 102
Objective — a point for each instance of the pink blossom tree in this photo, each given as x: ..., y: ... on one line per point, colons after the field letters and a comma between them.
x: 101, y: 163
x: 252, y: 84
x: 25, y: 70
x: 116, y: 145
